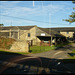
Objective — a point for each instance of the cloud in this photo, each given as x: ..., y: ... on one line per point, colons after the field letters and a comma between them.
x: 37, y: 13
x: 14, y: 10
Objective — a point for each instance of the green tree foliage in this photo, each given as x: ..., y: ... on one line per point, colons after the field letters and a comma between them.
x: 72, y: 16
x: 71, y: 19
x: 73, y: 1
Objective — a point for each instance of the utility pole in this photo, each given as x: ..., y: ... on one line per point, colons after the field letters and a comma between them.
x: 11, y: 23
x: 50, y: 28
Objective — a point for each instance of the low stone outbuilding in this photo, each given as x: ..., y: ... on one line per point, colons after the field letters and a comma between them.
x: 20, y: 46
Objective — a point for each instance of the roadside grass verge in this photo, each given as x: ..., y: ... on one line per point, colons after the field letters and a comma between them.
x: 71, y: 58
x: 61, y: 44
x: 11, y: 53
x: 6, y: 55
x: 39, y: 49
x: 33, y: 49
x: 72, y: 55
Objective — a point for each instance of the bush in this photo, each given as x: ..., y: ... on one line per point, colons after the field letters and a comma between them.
x: 6, y: 42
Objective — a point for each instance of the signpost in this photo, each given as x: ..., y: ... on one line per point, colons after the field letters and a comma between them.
x: 42, y: 34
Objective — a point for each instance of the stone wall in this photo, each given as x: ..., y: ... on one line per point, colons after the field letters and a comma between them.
x: 32, y: 37
x: 69, y: 34
x: 20, y: 46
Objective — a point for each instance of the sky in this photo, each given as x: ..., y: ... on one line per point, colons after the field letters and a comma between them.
x: 40, y: 13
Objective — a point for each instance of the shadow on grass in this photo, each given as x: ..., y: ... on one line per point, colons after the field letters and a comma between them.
x: 71, y: 54
x: 7, y: 55
x: 67, y: 47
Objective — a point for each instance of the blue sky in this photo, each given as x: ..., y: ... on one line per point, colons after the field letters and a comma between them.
x: 42, y: 14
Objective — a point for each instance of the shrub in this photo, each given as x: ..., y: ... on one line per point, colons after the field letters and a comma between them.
x: 6, y: 42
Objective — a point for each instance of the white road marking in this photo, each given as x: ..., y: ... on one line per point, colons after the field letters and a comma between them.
x: 58, y: 52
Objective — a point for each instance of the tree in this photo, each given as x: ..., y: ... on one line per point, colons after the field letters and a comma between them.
x: 1, y: 25
x: 73, y: 1
x: 72, y: 16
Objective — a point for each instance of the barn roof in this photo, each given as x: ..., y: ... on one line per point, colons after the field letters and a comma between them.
x: 51, y: 32
x: 64, y: 29
x: 16, y: 27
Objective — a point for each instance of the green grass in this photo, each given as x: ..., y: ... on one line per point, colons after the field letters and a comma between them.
x: 73, y: 51
x: 33, y: 49
x: 39, y: 49
x: 72, y: 57
x: 11, y: 53
x: 61, y: 44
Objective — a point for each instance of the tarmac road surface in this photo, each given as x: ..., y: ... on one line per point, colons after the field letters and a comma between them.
x: 58, y: 53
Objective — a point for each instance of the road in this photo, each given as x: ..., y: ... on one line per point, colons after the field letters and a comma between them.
x: 58, y: 53
x: 49, y: 59
x: 52, y: 54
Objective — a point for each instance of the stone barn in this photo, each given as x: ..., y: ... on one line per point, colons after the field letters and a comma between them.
x: 32, y: 34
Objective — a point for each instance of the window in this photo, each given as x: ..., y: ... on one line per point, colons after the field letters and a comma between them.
x: 28, y: 34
